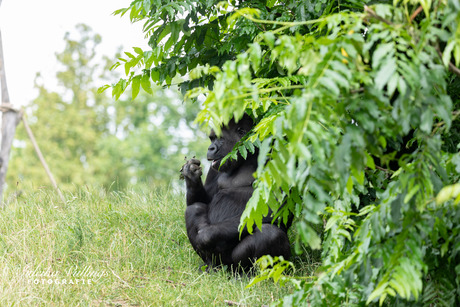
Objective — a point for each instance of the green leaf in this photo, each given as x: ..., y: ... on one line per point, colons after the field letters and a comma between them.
x: 411, y: 193
x: 148, y: 59
x: 447, y: 193
x: 330, y: 85
x: 331, y: 222
x: 269, y: 39
x: 309, y: 235
x: 350, y: 185
x: 175, y: 28
x: 359, y: 175
x: 255, y: 55
x: 392, y: 84
x: 145, y: 83
x: 443, y: 108
x: 243, y: 151
x: 146, y: 5
x: 381, y: 53
x: 448, y: 53
x: 102, y: 88
x: 130, y: 55
x: 138, y: 50
x: 155, y: 75
x: 370, y: 162
x: 247, y: 11
x: 339, y: 79
x: 378, y: 291
x: 136, y: 86
x: 384, y: 74
x: 128, y: 66
x: 427, y: 121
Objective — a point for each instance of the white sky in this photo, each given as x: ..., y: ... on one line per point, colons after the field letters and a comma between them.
x: 33, y: 31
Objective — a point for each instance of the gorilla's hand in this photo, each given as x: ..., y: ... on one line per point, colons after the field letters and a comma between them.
x: 205, y: 238
x: 191, y: 171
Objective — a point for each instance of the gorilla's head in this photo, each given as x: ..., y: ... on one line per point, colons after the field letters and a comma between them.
x: 221, y: 146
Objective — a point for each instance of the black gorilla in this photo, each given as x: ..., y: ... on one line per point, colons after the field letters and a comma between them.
x: 214, y: 210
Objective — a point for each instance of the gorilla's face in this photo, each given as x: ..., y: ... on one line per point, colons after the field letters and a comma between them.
x: 223, y: 145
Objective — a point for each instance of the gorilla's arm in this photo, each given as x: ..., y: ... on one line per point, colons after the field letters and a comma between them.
x: 196, y: 192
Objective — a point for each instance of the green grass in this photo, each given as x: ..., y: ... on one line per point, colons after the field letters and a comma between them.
x: 136, y: 242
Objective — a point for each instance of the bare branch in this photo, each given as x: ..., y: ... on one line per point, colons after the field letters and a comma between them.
x: 42, y: 159
x: 414, y: 14
x: 452, y: 67
x: 373, y: 14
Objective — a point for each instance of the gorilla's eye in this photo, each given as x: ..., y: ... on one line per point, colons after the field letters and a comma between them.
x: 241, y: 132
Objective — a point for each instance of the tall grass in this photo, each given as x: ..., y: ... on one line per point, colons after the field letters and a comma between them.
x: 110, y: 249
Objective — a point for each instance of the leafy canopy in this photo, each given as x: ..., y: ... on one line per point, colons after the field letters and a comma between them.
x: 357, y: 127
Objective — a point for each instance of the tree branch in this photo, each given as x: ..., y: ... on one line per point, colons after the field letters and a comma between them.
x: 452, y: 67
x: 414, y: 14
x: 42, y: 159
x: 373, y: 14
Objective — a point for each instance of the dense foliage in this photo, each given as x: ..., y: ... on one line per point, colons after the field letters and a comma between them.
x: 88, y: 139
x: 357, y: 127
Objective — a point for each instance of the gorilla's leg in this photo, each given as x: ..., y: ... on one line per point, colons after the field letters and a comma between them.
x: 270, y: 241
x: 196, y: 217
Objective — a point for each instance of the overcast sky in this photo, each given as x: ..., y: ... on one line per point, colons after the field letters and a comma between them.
x: 33, y: 31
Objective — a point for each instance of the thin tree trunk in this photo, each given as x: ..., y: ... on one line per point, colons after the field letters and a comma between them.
x: 10, y: 120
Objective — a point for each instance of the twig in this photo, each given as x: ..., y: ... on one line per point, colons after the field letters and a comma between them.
x: 452, y: 67
x: 414, y: 14
x: 124, y: 282
x: 175, y: 242
x: 175, y: 283
x: 359, y: 90
x: 455, y: 114
x: 42, y: 159
x: 374, y: 14
x: 384, y: 169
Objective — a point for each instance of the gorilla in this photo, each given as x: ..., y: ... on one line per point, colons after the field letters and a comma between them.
x: 214, y: 209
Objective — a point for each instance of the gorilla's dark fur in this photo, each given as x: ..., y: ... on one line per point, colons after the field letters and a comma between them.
x: 214, y: 209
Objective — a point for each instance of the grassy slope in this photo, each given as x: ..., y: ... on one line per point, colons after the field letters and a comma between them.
x: 136, y: 241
